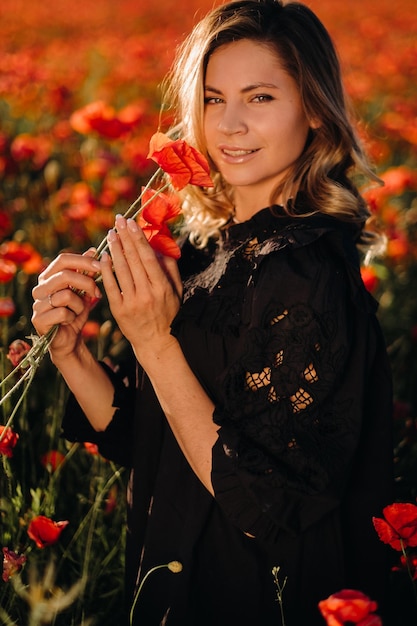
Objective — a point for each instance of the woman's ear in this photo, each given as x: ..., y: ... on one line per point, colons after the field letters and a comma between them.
x: 315, y: 123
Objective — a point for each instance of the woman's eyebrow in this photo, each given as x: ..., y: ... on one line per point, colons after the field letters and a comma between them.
x: 213, y: 89
x: 252, y: 87
x: 260, y: 85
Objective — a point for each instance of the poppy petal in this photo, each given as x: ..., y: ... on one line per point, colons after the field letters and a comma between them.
x: 387, y: 533
x: 183, y: 163
x: 160, y: 207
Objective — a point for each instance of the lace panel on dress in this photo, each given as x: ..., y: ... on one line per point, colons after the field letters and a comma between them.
x: 255, y: 381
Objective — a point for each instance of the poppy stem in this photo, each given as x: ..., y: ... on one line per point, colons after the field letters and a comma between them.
x: 279, y: 592
x: 148, y: 573
x: 132, y: 215
x: 31, y: 361
x: 131, y: 210
x: 407, y: 564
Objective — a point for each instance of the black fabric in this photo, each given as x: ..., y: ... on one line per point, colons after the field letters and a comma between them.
x: 279, y: 329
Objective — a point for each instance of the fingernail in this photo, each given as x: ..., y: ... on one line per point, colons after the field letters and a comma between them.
x: 104, y: 257
x: 120, y: 221
x: 96, y: 265
x: 131, y: 224
x: 111, y: 236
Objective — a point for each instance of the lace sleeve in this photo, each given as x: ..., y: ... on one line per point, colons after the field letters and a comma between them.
x: 291, y: 414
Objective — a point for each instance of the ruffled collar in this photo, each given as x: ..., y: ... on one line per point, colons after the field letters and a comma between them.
x: 273, y: 223
x: 213, y: 292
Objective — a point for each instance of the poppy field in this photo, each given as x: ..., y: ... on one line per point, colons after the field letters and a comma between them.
x: 80, y: 100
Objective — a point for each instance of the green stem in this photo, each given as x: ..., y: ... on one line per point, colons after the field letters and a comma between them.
x: 280, y: 589
x: 91, y: 514
x: 132, y: 610
x: 49, y: 501
x: 9, y: 476
x: 131, y: 210
x: 28, y: 376
x: 31, y: 361
x: 6, y: 619
x: 90, y: 535
x: 410, y: 573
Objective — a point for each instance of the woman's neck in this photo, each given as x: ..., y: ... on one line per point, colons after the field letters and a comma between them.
x: 247, y: 204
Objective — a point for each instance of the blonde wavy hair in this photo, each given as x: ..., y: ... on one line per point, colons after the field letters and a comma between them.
x: 323, y: 177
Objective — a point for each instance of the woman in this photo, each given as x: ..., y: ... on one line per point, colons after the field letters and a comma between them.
x: 256, y: 416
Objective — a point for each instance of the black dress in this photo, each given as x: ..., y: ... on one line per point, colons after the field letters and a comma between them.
x: 278, y: 327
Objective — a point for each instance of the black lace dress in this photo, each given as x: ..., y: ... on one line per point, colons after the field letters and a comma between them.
x: 279, y: 329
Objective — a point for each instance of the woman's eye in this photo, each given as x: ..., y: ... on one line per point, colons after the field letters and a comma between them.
x: 212, y: 100
x: 262, y: 98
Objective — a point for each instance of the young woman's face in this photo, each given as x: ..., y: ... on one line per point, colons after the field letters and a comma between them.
x: 254, y: 123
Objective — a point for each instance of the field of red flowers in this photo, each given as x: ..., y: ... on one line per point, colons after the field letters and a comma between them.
x: 79, y: 101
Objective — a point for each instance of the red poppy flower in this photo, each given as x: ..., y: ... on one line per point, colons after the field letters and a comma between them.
x: 92, y: 448
x: 12, y: 563
x: 91, y: 328
x: 153, y: 220
x: 26, y: 147
x: 80, y: 212
x: 7, y: 307
x: 370, y: 278
x: 399, y: 528
x: 349, y: 605
x: 116, y: 187
x: 8, y: 440
x: 102, y: 118
x: 183, y: 163
x: 52, y: 460
x: 160, y: 207
x: 22, y: 254
x: 398, y: 247
x: 34, y: 265
x: 111, y: 500
x: 17, y: 251
x: 44, y: 531
x: 18, y: 349
x: 8, y: 270
x: 398, y: 179
x: 161, y: 240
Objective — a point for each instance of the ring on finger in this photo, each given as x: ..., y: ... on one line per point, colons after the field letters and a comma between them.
x: 50, y: 301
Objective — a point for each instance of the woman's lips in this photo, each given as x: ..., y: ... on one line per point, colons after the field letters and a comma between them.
x: 236, y: 151
x: 236, y: 155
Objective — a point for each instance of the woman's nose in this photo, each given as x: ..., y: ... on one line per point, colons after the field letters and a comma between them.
x: 232, y: 120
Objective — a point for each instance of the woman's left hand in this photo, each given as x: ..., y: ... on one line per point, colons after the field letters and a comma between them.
x: 144, y: 291
x: 144, y: 295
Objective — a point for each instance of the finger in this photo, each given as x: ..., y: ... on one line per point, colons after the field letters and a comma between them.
x: 43, y: 319
x: 130, y: 268
x: 148, y: 258
x: 129, y: 238
x: 69, y: 299
x: 110, y: 283
x: 76, y: 262
x: 91, y: 254
x: 122, y: 264
x: 66, y: 279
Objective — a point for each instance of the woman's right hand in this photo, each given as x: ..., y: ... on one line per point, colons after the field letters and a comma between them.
x: 64, y: 295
